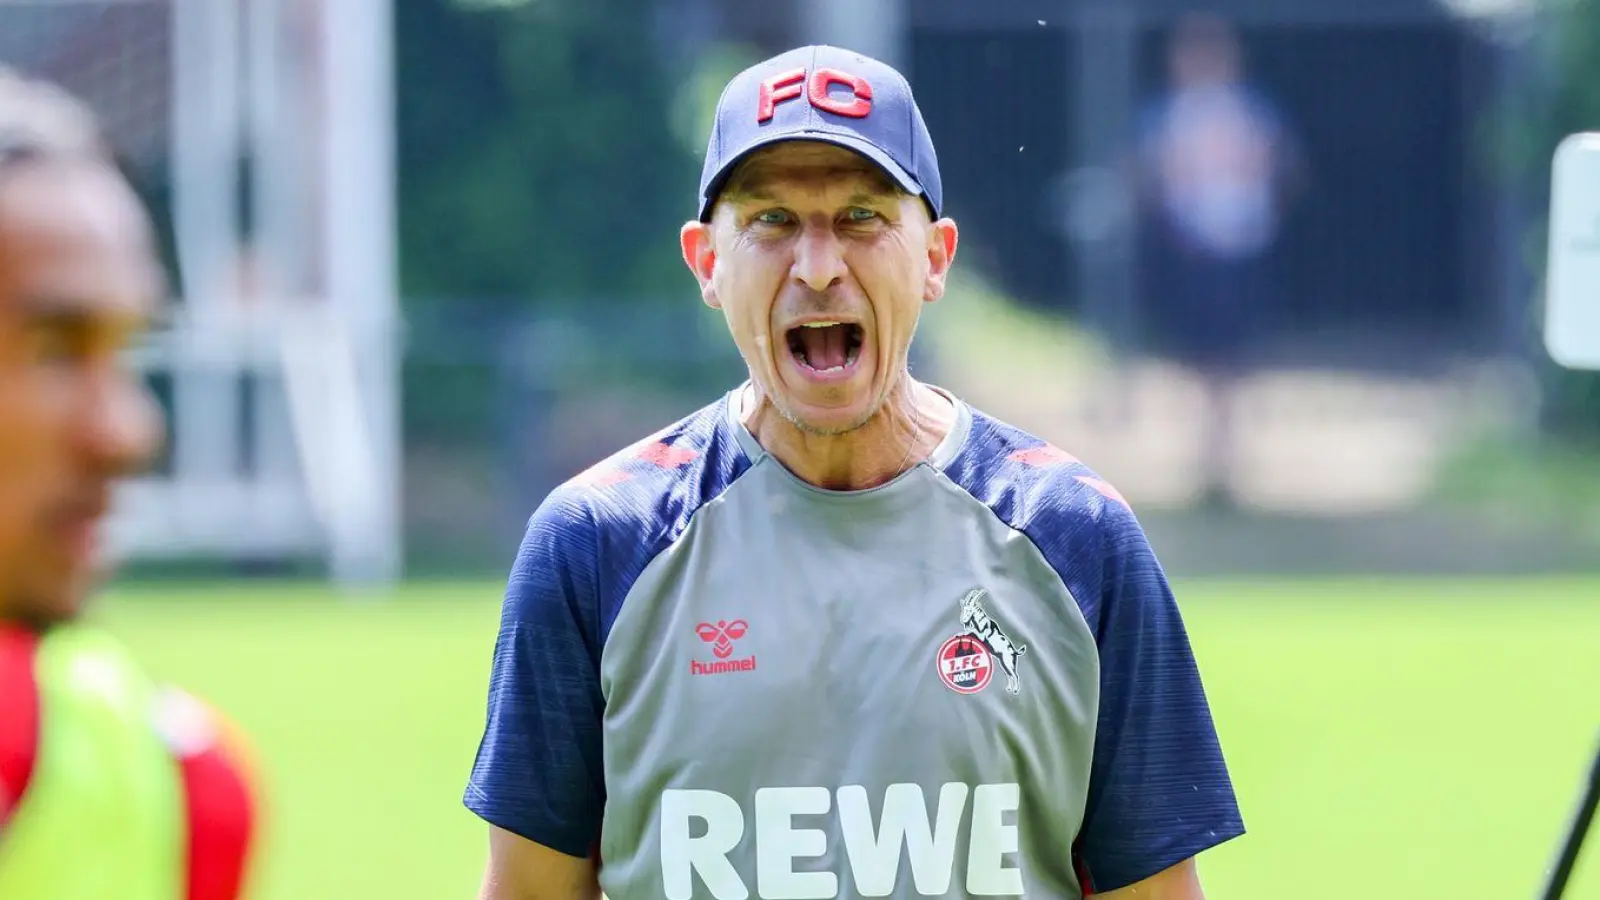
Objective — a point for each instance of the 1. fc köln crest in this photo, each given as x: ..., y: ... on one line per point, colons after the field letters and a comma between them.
x: 968, y: 660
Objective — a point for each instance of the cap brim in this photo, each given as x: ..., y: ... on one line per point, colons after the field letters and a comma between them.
x: 847, y: 141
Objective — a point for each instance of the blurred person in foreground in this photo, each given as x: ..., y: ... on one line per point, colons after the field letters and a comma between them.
x: 111, y: 785
x: 1216, y: 169
x: 838, y: 633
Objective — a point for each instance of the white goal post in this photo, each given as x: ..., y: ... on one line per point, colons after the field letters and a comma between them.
x: 298, y: 296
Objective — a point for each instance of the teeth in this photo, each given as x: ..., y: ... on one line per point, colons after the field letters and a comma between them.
x: 852, y: 355
x: 819, y: 324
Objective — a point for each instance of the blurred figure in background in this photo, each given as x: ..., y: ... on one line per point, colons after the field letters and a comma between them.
x: 1216, y: 167
x: 111, y: 785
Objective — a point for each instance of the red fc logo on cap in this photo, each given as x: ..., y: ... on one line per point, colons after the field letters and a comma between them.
x: 787, y: 86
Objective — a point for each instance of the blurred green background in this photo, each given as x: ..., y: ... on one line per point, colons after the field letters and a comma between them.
x: 1390, y: 738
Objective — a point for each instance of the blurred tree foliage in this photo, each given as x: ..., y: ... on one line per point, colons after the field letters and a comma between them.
x: 537, y: 158
x: 1565, y: 98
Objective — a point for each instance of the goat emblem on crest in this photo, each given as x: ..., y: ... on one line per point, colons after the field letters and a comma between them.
x: 976, y: 621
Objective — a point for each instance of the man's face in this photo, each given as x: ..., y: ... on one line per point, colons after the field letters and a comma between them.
x: 1204, y: 53
x: 78, y: 280
x: 821, y: 267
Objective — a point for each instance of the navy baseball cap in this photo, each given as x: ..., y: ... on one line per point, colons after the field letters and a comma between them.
x: 823, y: 94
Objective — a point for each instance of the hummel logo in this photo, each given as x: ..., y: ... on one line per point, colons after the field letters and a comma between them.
x: 721, y: 635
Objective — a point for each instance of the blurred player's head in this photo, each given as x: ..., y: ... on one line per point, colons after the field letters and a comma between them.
x: 78, y: 278
x: 1204, y: 51
x: 820, y: 234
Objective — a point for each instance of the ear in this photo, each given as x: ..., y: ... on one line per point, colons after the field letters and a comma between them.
x: 942, y: 239
x: 700, y: 255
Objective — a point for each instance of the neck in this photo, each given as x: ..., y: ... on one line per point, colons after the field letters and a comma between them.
x: 905, y: 431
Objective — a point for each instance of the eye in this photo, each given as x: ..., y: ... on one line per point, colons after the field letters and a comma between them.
x: 55, y: 346
x: 771, y: 217
x: 859, y: 214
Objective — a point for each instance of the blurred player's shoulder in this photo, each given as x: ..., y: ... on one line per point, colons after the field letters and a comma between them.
x: 220, y: 790
x: 86, y: 735
x: 1030, y: 483
x: 19, y: 716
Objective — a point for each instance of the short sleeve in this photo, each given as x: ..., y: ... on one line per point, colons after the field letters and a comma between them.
x: 538, y: 769
x: 1159, y: 791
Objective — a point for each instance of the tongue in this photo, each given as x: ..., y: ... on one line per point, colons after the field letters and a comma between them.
x: 825, y: 348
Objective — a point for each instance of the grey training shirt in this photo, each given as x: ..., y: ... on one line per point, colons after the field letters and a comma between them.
x: 726, y: 683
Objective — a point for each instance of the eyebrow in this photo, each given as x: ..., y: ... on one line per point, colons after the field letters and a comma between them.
x: 78, y: 311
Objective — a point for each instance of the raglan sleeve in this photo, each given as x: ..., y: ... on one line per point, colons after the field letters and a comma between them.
x: 1159, y: 788
x: 538, y: 768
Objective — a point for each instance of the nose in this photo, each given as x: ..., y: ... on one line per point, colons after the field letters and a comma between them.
x: 123, y: 428
x: 818, y: 258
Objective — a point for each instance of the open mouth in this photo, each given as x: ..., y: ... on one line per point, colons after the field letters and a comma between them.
x: 826, y: 348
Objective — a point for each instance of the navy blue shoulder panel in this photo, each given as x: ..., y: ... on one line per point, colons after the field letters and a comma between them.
x: 538, y: 770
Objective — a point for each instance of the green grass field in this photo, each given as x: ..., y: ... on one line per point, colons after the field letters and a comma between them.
x: 1389, y: 739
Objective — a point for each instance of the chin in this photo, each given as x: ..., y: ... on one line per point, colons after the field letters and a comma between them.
x: 57, y: 603
x: 42, y: 615
x: 829, y: 421
x: 827, y: 405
